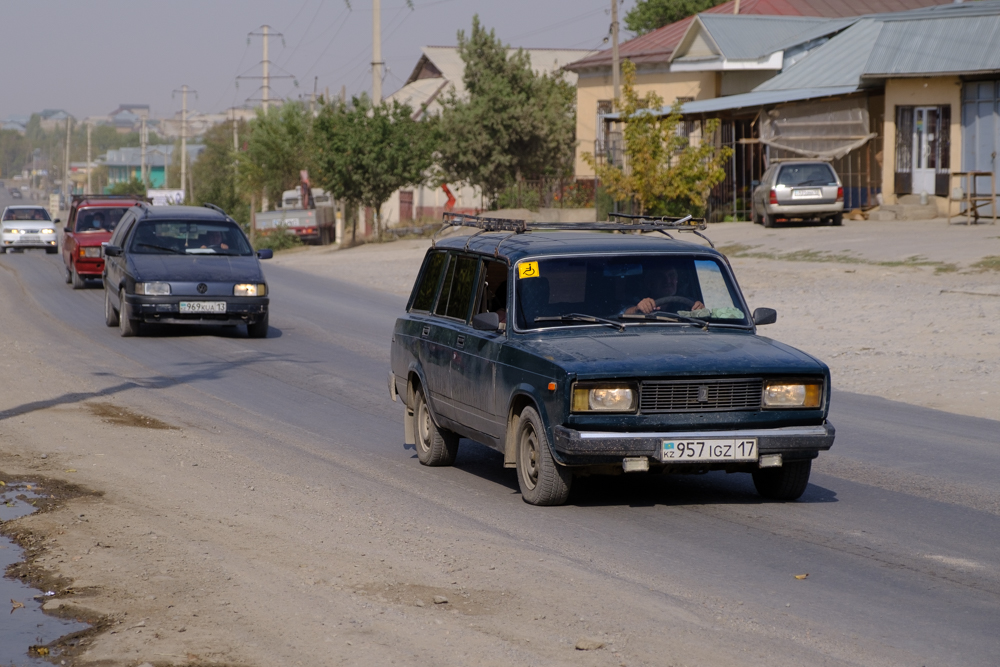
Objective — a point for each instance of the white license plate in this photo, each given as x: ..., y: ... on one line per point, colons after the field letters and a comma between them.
x: 807, y: 194
x: 709, y: 449
x: 203, y: 306
x: 30, y: 238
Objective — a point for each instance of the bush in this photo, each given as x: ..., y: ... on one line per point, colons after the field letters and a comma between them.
x: 278, y: 238
x: 133, y: 187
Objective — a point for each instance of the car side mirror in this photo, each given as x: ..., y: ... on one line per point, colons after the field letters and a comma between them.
x: 265, y: 253
x: 754, y: 184
x: 765, y: 316
x: 111, y: 250
x: 486, y: 322
x: 57, y: 221
x: 67, y: 230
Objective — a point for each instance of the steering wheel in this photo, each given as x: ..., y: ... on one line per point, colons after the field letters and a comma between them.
x: 676, y: 299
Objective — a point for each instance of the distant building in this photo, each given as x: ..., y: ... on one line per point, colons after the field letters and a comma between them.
x: 199, y: 122
x: 53, y: 118
x: 125, y: 164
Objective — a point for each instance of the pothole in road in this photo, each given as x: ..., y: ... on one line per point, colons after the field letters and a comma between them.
x: 27, y: 635
x: 119, y: 416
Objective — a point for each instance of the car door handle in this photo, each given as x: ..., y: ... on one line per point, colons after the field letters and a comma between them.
x: 460, y: 341
x: 426, y: 331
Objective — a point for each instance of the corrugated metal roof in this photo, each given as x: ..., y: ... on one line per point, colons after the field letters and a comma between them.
x: 839, y: 62
x: 763, y: 98
x: 657, y: 46
x: 960, y: 44
x: 750, y: 37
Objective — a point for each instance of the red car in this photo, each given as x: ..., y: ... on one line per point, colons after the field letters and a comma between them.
x: 92, y: 218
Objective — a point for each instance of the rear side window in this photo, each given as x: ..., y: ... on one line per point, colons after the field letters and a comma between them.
x: 431, y: 276
x: 459, y: 286
x: 121, y: 230
x: 794, y: 175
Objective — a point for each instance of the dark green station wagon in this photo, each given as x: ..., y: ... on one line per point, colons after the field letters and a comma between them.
x: 583, y: 352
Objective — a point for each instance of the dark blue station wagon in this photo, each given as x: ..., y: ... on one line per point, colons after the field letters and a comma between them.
x: 585, y: 352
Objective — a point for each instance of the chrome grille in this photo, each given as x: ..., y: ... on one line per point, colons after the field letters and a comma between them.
x: 700, y: 395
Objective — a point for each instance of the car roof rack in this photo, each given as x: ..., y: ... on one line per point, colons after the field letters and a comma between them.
x: 619, y: 222
x: 95, y: 195
x: 215, y: 208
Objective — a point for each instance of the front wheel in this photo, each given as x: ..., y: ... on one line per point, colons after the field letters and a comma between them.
x: 435, y: 446
x: 67, y: 274
x: 542, y: 480
x: 51, y: 251
x: 258, y: 329
x: 126, y: 327
x: 78, y: 282
x: 788, y: 482
x: 110, y: 314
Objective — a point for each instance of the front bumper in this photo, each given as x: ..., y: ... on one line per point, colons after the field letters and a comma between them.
x: 89, y: 267
x: 166, y: 309
x: 583, y: 447
x: 18, y: 241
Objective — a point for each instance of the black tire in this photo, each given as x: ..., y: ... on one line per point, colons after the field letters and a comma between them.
x: 837, y: 220
x: 110, y: 314
x: 126, y: 327
x: 258, y: 329
x: 753, y: 215
x: 67, y: 275
x: 78, y: 282
x: 542, y: 480
x: 768, y: 219
x: 788, y: 482
x: 51, y: 251
x: 435, y: 446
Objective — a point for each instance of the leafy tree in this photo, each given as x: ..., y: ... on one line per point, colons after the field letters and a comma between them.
x: 279, y: 145
x: 15, y: 152
x: 365, y: 152
x: 215, y: 171
x: 662, y: 166
x: 648, y: 15
x: 133, y: 187
x: 512, y: 123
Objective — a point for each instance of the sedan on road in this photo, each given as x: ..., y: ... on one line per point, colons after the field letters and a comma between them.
x: 92, y: 218
x: 28, y: 227
x: 183, y: 265
x: 798, y: 190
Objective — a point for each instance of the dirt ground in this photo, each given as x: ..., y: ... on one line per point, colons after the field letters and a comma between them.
x: 178, y: 545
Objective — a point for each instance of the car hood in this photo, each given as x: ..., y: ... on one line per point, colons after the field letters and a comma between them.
x: 91, y: 238
x: 191, y: 268
x: 31, y: 225
x: 660, y: 351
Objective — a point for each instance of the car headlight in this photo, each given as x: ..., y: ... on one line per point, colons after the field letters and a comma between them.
x: 250, y: 289
x: 48, y: 231
x: 153, y: 289
x: 90, y: 251
x: 604, y: 398
x: 784, y: 394
x: 12, y: 231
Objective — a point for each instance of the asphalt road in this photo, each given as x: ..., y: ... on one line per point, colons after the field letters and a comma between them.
x: 899, y: 528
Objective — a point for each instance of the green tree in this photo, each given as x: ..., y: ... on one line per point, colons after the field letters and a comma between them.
x: 511, y: 124
x: 133, y: 187
x: 662, y: 167
x: 15, y: 153
x: 214, y: 172
x: 278, y: 146
x: 365, y: 152
x: 648, y: 15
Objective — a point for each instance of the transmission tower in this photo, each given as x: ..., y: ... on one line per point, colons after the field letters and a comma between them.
x: 265, y: 68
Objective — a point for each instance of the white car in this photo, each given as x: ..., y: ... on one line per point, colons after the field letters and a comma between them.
x: 28, y: 227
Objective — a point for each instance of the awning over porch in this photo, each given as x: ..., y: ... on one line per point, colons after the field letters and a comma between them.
x: 760, y: 99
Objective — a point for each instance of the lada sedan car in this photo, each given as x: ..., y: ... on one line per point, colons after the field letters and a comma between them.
x: 91, y: 220
x: 24, y: 227
x: 798, y: 190
x: 576, y: 353
x: 183, y: 265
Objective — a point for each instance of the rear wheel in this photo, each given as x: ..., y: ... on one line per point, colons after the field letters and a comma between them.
x: 837, y: 220
x: 435, y: 446
x: 542, y: 480
x: 110, y: 314
x: 788, y: 482
x: 258, y: 329
x: 78, y: 282
x: 126, y: 327
x: 768, y: 219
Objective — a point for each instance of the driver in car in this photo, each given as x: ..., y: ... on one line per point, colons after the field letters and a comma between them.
x: 661, y: 286
x: 214, y: 241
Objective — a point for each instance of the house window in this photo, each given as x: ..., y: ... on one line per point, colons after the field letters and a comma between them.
x: 980, y: 126
x: 923, y: 149
x: 603, y: 107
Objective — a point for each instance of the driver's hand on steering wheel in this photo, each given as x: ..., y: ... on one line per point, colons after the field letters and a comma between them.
x: 648, y: 305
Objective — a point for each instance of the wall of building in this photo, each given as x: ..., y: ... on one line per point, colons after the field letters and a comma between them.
x: 591, y: 88
x: 925, y: 91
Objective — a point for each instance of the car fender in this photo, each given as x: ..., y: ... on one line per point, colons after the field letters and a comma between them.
x: 522, y: 395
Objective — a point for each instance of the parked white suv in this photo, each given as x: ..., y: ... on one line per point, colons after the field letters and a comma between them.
x: 798, y: 190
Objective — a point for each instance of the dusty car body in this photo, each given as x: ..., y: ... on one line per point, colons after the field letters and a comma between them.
x: 534, y: 344
x: 798, y: 190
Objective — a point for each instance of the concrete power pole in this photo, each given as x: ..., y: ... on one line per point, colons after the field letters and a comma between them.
x: 143, y: 138
x: 90, y: 187
x: 65, y: 187
x: 377, y: 51
x: 266, y: 86
x: 184, y: 120
x: 615, y: 72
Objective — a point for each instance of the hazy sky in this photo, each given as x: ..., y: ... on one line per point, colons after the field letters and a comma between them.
x: 87, y: 56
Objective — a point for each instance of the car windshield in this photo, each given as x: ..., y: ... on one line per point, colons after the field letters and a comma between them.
x: 26, y: 214
x: 170, y: 237
x: 625, y: 288
x: 794, y: 175
x: 99, y: 219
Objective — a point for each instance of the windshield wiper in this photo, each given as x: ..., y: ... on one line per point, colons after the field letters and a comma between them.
x: 580, y: 317
x: 160, y: 247
x: 664, y: 316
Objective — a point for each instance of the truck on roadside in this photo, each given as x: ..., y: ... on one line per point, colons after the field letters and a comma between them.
x: 315, y: 226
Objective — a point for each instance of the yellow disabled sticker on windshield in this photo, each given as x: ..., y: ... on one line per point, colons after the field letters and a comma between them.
x: 527, y: 270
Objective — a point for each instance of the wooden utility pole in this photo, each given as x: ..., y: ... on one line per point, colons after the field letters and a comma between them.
x: 376, y: 51
x: 615, y: 70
